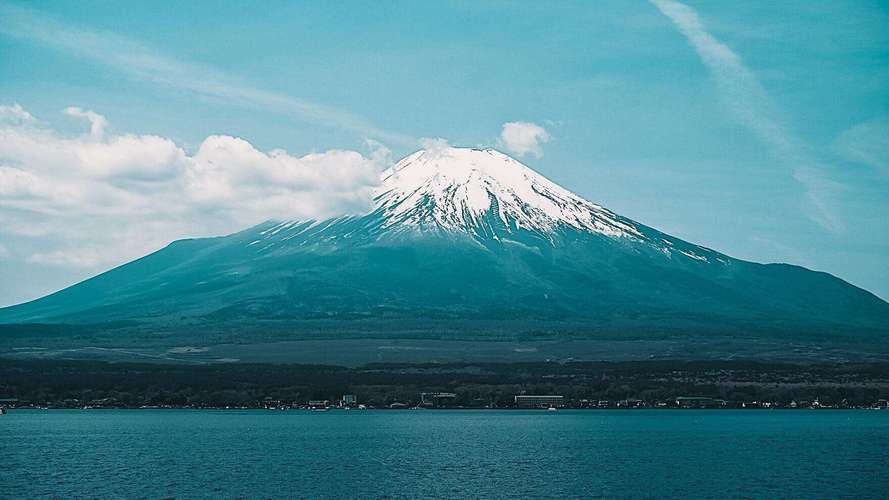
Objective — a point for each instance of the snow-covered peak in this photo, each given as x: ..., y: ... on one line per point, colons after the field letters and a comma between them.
x: 458, y: 189
x: 481, y: 193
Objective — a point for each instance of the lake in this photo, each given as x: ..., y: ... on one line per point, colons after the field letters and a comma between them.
x: 297, y: 453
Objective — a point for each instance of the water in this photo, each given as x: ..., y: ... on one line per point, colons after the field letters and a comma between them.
x: 648, y: 453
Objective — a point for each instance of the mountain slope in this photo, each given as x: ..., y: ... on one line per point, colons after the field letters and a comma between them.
x: 470, y: 237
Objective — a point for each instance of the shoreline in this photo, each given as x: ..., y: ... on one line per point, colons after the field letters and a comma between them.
x: 470, y: 386
x: 536, y: 410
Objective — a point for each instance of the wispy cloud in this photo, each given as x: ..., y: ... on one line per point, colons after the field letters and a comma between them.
x: 750, y: 103
x: 866, y: 143
x: 139, y: 61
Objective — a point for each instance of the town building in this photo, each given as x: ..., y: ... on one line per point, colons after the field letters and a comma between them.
x: 437, y: 399
x: 699, y: 402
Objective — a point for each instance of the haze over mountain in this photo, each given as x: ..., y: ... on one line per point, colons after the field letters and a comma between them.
x: 466, y: 242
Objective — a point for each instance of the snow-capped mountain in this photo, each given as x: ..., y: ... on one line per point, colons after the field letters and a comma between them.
x: 455, y: 189
x: 483, y: 194
x: 465, y: 242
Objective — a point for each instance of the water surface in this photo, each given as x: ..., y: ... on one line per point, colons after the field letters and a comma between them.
x: 672, y: 453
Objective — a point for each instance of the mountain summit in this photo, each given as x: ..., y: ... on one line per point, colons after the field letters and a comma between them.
x: 461, y: 242
x: 458, y: 189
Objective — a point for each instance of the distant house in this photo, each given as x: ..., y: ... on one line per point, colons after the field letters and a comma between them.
x: 539, y: 401
x: 630, y: 403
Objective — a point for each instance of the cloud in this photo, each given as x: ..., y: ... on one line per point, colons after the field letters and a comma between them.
x: 435, y: 144
x: 228, y: 173
x: 14, y: 115
x: 81, y: 258
x: 866, y: 143
x: 524, y: 138
x: 101, y: 199
x: 751, y: 105
x: 97, y: 121
x: 139, y: 61
x: 128, y: 156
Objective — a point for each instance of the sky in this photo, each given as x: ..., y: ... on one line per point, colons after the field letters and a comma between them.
x: 759, y: 129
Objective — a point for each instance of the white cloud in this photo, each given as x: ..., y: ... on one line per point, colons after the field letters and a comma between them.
x: 101, y: 199
x: 751, y: 105
x: 129, y: 156
x: 523, y: 138
x: 228, y: 173
x: 14, y: 115
x: 97, y: 121
x: 434, y: 145
x: 379, y: 153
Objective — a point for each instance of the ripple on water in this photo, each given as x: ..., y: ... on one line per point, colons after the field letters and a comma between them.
x: 156, y: 453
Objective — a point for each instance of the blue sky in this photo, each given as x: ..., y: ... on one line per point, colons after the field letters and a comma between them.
x: 759, y: 129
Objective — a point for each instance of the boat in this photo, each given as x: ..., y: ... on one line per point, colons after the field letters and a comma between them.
x: 2, y: 411
x: 552, y: 408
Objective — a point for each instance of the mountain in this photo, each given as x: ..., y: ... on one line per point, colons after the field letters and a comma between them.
x: 467, y: 243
